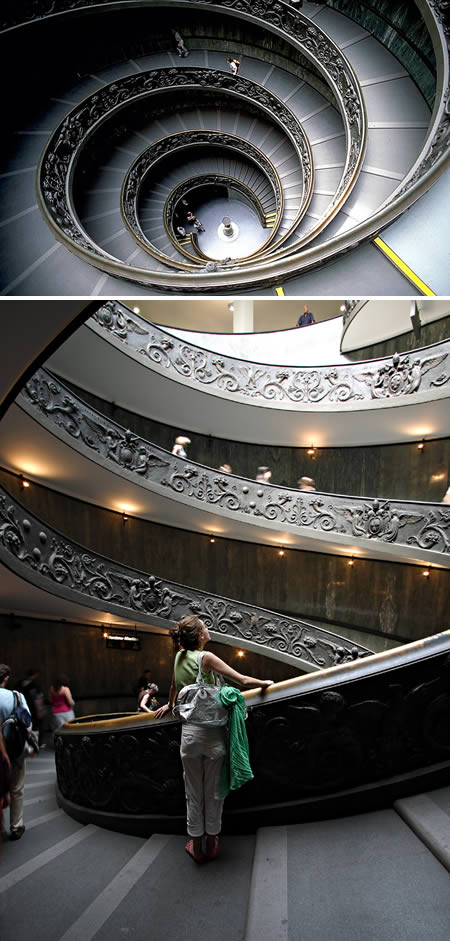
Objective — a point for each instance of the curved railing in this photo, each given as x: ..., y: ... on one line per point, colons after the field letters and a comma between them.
x: 59, y: 159
x: 394, y: 380
x: 352, y: 308
x: 350, y: 519
x: 43, y: 556
x: 283, y: 19
x: 303, y: 35
x: 339, y: 741
x: 315, y: 44
x: 152, y: 157
x: 217, y: 179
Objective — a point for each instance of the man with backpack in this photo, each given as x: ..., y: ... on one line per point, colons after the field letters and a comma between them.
x: 14, y: 716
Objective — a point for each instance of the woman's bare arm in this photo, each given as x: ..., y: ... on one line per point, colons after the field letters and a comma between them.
x: 69, y: 696
x: 163, y: 710
x: 143, y: 703
x: 211, y: 662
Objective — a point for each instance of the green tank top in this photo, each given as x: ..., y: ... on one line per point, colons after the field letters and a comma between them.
x: 186, y: 669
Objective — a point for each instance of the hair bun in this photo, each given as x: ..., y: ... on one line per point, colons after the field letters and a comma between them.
x: 186, y: 633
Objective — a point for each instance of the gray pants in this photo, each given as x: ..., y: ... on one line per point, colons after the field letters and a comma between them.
x: 202, y: 754
x: 16, y: 796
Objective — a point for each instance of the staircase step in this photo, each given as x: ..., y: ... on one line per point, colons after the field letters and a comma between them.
x: 267, y: 915
x: 428, y: 815
x: 181, y: 900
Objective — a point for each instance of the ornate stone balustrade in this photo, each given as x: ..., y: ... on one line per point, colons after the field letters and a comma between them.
x: 151, y: 158
x: 339, y: 742
x: 397, y: 379
x: 58, y: 162
x: 304, y: 35
x: 210, y: 180
x: 382, y: 521
x: 57, y: 564
x: 60, y: 157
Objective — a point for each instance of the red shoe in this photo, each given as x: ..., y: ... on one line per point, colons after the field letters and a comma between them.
x: 213, y: 854
x: 190, y: 851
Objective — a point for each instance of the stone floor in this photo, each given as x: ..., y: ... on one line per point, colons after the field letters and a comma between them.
x: 251, y: 233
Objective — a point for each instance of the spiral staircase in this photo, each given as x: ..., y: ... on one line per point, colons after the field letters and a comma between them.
x: 351, y: 134
x: 349, y: 749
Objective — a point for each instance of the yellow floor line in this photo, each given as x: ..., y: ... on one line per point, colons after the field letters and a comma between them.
x: 404, y: 268
x: 280, y: 292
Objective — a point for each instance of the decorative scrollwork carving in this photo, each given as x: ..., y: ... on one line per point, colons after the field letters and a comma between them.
x: 298, y: 29
x: 70, y: 135
x: 70, y: 571
x: 118, y: 322
x: 151, y: 157
x: 108, y: 442
x: 441, y: 10
x: 433, y: 534
x: 213, y: 179
x: 388, y: 378
x: 303, y: 747
x: 404, y: 375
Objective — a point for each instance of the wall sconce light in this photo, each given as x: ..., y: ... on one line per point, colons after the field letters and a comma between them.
x: 426, y: 573
x: 351, y: 561
x: 421, y: 445
x: 24, y: 483
x: 211, y: 539
x: 137, y: 310
x: 311, y: 451
x: 241, y: 653
x: 231, y: 307
x: 281, y: 551
x: 124, y: 518
x: 343, y: 308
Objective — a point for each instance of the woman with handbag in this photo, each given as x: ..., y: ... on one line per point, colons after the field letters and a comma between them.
x: 203, y: 737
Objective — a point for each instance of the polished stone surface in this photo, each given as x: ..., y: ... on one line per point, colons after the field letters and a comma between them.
x: 251, y: 233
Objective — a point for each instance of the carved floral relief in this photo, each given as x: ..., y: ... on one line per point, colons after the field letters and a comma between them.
x: 399, y: 375
x: 386, y: 521
x: 73, y: 572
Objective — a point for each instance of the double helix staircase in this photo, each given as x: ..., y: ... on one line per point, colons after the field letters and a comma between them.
x: 328, y: 206
x: 100, y: 213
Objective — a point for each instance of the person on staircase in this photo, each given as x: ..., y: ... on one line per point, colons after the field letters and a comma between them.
x: 147, y: 701
x: 179, y: 42
x: 234, y: 65
x: 5, y: 781
x: 18, y: 766
x: 306, y: 317
x: 62, y: 702
x: 34, y: 695
x: 203, y: 748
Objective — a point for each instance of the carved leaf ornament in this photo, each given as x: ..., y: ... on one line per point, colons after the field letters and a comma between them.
x: 381, y: 520
x: 148, y: 160
x: 61, y: 566
x: 283, y: 17
x: 71, y: 133
x: 69, y: 137
x: 399, y: 375
x: 301, y: 748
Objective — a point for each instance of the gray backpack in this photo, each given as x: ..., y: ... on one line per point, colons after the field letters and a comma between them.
x: 198, y: 703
